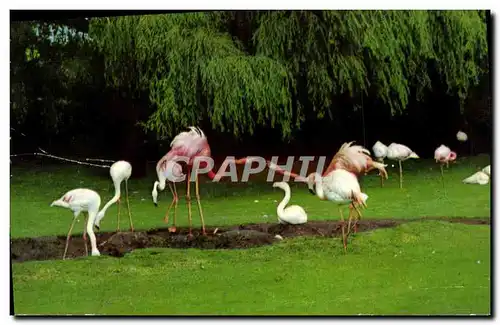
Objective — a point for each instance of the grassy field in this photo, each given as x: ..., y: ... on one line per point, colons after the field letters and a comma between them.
x: 417, y: 268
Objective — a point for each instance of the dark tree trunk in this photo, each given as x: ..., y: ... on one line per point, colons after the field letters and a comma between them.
x: 129, y: 140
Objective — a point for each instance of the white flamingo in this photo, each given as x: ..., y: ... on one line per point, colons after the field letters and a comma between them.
x: 380, y: 152
x: 400, y: 152
x: 120, y: 171
x: 341, y: 187
x: 167, y: 170
x: 293, y: 214
x: 81, y: 200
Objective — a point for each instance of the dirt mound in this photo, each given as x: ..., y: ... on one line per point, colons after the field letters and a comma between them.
x: 243, y: 236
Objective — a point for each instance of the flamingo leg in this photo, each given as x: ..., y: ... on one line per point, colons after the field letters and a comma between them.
x: 199, y: 205
x: 188, y: 200
x: 85, y: 235
x: 344, y: 241
x: 67, y: 237
x: 400, y: 174
x: 128, y: 207
x: 175, y: 206
x: 118, y: 220
x: 349, y: 220
x: 442, y: 174
x: 174, y: 201
x: 171, y: 204
x: 358, y: 213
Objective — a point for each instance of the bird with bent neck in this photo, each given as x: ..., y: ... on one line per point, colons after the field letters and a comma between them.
x: 170, y: 171
x: 81, y: 200
x: 293, y: 214
x: 120, y: 172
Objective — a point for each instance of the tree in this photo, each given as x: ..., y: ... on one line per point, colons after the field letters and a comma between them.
x: 294, y: 63
x: 191, y: 70
x: 50, y: 64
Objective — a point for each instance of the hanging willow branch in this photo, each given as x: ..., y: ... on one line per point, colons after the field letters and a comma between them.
x: 193, y: 69
x: 389, y: 51
x: 190, y: 68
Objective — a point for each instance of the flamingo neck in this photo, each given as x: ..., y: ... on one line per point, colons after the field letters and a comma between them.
x: 113, y: 200
x: 319, y: 186
x: 161, y: 183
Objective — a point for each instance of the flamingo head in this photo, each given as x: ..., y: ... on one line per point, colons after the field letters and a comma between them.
x: 98, y: 218
x: 154, y: 194
x: 311, y: 180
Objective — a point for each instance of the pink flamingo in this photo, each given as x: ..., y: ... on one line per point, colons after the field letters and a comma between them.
x: 444, y: 155
x: 190, y: 145
x: 355, y: 159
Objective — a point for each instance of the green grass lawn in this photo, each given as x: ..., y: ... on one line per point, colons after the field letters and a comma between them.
x: 417, y: 268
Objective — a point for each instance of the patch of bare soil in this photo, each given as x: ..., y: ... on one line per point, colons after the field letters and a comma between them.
x: 243, y: 236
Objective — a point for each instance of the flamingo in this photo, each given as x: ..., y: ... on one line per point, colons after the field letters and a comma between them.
x: 341, y: 187
x: 167, y: 170
x: 81, y: 200
x: 120, y: 171
x: 293, y: 214
x: 380, y: 152
x: 443, y: 155
x: 191, y: 144
x: 355, y: 159
x: 400, y: 152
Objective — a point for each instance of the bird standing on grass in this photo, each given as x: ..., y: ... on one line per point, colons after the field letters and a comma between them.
x: 400, y: 152
x: 443, y: 155
x: 190, y: 145
x: 380, y: 152
x: 81, y: 200
x: 341, y: 187
x: 167, y: 170
x: 120, y: 171
x: 292, y: 214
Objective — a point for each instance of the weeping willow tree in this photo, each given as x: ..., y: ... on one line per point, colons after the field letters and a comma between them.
x: 193, y: 68
x: 388, y: 52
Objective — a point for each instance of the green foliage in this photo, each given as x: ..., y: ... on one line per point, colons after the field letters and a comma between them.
x: 189, y: 65
x: 50, y: 63
x: 389, y: 51
x: 193, y: 66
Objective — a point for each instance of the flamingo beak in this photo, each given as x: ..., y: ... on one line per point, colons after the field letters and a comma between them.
x: 97, y: 227
x: 156, y: 204
x: 312, y: 191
